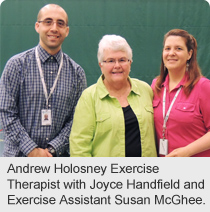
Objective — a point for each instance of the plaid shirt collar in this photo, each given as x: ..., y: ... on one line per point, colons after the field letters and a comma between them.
x: 44, y: 55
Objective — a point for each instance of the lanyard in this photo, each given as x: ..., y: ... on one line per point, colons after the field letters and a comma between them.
x: 166, y: 116
x: 42, y: 78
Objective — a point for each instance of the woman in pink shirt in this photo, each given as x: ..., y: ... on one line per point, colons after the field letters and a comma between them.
x: 181, y: 99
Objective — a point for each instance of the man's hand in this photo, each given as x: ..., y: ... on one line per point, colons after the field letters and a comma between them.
x: 39, y: 152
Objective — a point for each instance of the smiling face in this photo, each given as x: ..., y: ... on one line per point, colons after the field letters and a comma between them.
x: 115, y: 72
x: 175, y: 54
x: 52, y: 37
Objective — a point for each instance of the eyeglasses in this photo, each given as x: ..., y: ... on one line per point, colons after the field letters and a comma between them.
x: 50, y: 22
x: 112, y: 62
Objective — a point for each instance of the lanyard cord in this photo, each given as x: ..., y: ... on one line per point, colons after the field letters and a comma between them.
x: 166, y: 116
x: 42, y: 77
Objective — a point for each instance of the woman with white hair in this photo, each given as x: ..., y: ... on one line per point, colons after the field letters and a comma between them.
x: 114, y: 117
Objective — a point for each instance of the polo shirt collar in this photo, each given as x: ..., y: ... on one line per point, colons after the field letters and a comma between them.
x: 181, y: 83
x: 44, y: 55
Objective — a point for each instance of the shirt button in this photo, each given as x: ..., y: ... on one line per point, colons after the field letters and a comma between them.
x: 49, y: 105
x: 51, y: 58
x: 51, y: 72
x: 46, y: 139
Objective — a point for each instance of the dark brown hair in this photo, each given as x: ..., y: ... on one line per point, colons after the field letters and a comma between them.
x: 194, y: 69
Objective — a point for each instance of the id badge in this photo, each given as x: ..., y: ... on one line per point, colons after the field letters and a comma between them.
x: 46, y: 117
x: 163, y: 147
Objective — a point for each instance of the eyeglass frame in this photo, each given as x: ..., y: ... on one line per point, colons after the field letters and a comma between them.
x: 52, y: 22
x: 114, y: 61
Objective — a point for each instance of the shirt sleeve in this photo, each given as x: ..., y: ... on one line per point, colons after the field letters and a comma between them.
x: 16, y: 136
x: 204, y: 95
x: 83, y: 127
x: 61, y: 142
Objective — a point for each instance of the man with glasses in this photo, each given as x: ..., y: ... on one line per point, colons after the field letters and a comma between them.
x: 38, y: 83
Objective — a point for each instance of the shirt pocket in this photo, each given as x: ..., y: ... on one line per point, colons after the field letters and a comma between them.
x: 185, y: 112
x: 157, y: 115
x: 149, y: 114
x: 103, y: 122
x: 149, y: 109
x: 155, y: 103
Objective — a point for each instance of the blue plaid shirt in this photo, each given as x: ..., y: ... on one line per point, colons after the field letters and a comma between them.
x: 22, y: 99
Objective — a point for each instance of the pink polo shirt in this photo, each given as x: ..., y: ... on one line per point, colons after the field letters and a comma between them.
x: 189, y: 118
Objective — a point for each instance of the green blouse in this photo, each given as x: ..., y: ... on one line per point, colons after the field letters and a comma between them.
x: 98, y: 128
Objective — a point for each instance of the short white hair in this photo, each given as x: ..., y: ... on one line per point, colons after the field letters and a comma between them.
x: 115, y: 43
